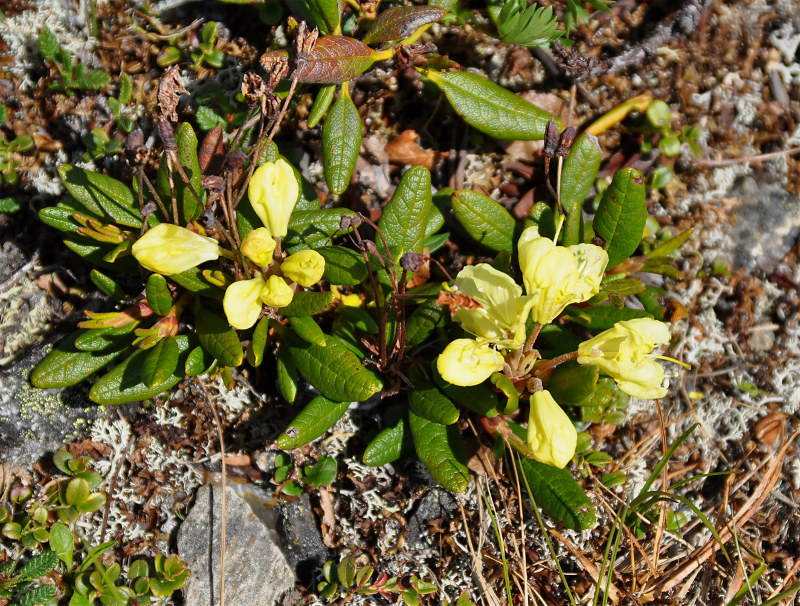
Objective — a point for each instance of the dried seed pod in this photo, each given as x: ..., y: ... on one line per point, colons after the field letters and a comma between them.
x: 276, y: 65
x: 211, y: 148
x: 253, y: 88
x: 412, y: 261
x: 213, y: 183
x: 166, y: 134
x: 550, y: 139
x: 565, y: 141
x: 306, y: 40
x: 169, y: 91
x: 235, y: 160
x: 135, y: 151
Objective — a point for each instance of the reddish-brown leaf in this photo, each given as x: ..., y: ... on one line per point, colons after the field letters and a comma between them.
x: 401, y: 21
x: 335, y: 59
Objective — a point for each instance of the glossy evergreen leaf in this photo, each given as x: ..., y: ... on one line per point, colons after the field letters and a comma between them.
x: 255, y: 350
x: 308, y: 303
x: 334, y: 370
x: 188, y: 205
x: 621, y: 215
x: 99, y: 339
x: 66, y: 365
x: 421, y: 323
x: 60, y: 218
x: 101, y: 195
x: 572, y: 383
x: 198, y: 362
x: 477, y: 398
x: 358, y: 318
x: 441, y: 450
x: 193, y: 280
x: 542, y: 217
x: 558, y: 494
x: 341, y: 143
x: 322, y: 102
x: 579, y: 171
x: 405, y: 217
x: 307, y: 329
x: 392, y: 442
x: 334, y: 59
x: 401, y: 22
x: 670, y: 245
x: 124, y: 383
x: 321, y: 474
x: 160, y: 362
x: 62, y: 542
x: 158, y: 295
x: 217, y: 337
x: 325, y: 14
x: 573, y: 227
x: 430, y: 403
x: 343, y: 266
x: 490, y: 108
x: 484, y: 219
x: 287, y: 374
x: 314, y: 228
x: 319, y: 415
x: 507, y: 388
x: 107, y: 286
x: 603, y: 317
x: 661, y: 304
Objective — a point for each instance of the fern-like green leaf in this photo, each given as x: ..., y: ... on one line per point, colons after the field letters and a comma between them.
x: 526, y: 25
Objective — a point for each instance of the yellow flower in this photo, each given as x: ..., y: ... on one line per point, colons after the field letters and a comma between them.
x: 501, y: 318
x: 273, y: 192
x: 305, y: 267
x: 467, y: 362
x: 276, y: 292
x: 259, y: 245
x: 169, y: 249
x: 551, y: 434
x: 352, y: 300
x: 558, y: 275
x: 624, y: 351
x: 242, y: 304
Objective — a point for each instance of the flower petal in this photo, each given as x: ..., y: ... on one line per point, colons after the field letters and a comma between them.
x: 551, y: 435
x: 466, y: 362
x: 242, y: 304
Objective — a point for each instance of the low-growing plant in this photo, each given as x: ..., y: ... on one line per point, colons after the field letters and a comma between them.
x: 73, y: 73
x: 10, y: 160
x: 291, y: 480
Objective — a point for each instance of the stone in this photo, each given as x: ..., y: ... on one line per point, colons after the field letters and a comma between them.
x: 256, y: 571
x: 436, y: 503
x: 301, y: 538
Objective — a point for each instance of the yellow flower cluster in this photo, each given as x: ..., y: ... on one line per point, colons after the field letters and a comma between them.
x: 170, y: 249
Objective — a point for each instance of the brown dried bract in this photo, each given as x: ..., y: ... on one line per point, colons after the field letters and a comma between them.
x: 454, y: 301
x: 306, y: 40
x: 169, y: 91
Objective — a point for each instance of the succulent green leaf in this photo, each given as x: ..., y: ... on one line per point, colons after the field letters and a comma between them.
x: 66, y: 365
x: 341, y: 143
x: 422, y: 321
x: 621, y: 215
x: 60, y: 218
x: 314, y: 228
x: 287, y: 374
x: 335, y: 59
x: 99, y: 339
x: 158, y: 295
x: 188, y: 205
x: 321, y: 474
x: 319, y: 415
x: 442, y: 451
x: 107, y: 286
x: 255, y: 350
x: 322, y: 102
x: 217, y: 337
x: 62, y: 542
x: 308, y: 303
x: 603, y: 317
x: 485, y: 220
x: 343, y: 266
x: 430, y: 403
x: 572, y: 383
x: 401, y: 22
x: 346, y: 572
x: 405, y: 218
x: 161, y: 362
x: 325, y: 14
x: 124, y: 383
x: 101, y: 195
x: 334, y: 370
x: 580, y: 170
x: 490, y: 108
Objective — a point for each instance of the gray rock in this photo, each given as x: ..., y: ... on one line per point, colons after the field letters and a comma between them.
x: 256, y: 572
x: 437, y: 503
x: 301, y: 538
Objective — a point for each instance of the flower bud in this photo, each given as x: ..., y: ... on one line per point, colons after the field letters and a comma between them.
x: 551, y: 434
x: 170, y: 249
x: 259, y: 245
x: 273, y: 192
x: 242, y: 304
x: 305, y: 267
x: 276, y: 292
x: 467, y: 362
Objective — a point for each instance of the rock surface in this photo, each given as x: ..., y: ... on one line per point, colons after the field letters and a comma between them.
x: 301, y: 538
x: 256, y: 571
x: 437, y: 503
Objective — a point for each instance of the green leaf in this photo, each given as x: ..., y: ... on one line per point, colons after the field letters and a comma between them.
x: 314, y: 228
x: 527, y: 25
x: 478, y: 398
x: 101, y: 195
x: 405, y: 217
x: 100, y: 339
x: 335, y: 59
x: 558, y: 494
x: 430, y: 403
x: 308, y: 330
x: 572, y: 383
x: 343, y: 266
x: 207, y: 118
x: 60, y: 216
x: 325, y: 14
x: 603, y: 317
x: 485, y: 220
x: 506, y: 387
x: 401, y: 22
x: 125, y: 89
x: 193, y: 280
x: 188, y: 205
x: 341, y: 143
x: 334, y: 370
x: 62, y: 542
x: 421, y: 323
x: 92, y: 80
x: 48, y: 44
x: 321, y: 104
x: 161, y: 362
x: 573, y: 227
x: 308, y: 303
x: 124, y: 383
x: 580, y: 170
x: 39, y: 565
x: 198, y: 362
x: 321, y: 474
x: 217, y: 337
x: 66, y: 365
x: 319, y: 415
x: 287, y: 374
x: 43, y: 594
x: 490, y: 108
x: 442, y: 451
x: 661, y: 304
x: 390, y: 444
x: 255, y: 350
x: 621, y: 216
x: 9, y: 205
x: 159, y: 298
x: 672, y: 244
x: 107, y: 286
